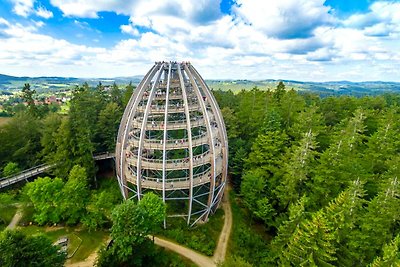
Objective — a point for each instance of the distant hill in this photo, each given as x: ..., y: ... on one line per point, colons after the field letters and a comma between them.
x: 9, y: 83
x: 322, y: 88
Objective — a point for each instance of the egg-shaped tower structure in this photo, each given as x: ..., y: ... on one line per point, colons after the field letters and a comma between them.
x: 172, y: 141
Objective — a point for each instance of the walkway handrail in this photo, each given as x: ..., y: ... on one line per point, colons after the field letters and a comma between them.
x: 22, y: 172
x: 33, y: 171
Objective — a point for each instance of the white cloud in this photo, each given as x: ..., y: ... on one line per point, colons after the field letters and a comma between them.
x: 284, y: 19
x: 195, y: 11
x: 23, y: 7
x: 4, y: 22
x: 82, y: 24
x: 383, y: 19
x: 82, y: 8
x: 129, y: 29
x: 260, y: 39
x: 379, y: 29
x: 43, y: 12
x: 38, y: 24
x: 322, y: 54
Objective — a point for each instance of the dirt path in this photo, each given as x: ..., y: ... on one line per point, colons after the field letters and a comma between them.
x: 220, y: 251
x: 197, y: 258
x: 15, y: 219
x: 194, y: 256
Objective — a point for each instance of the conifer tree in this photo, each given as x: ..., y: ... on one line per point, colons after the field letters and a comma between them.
x: 279, y: 91
x: 384, y: 143
x: 296, y: 215
x: 342, y: 162
x: 377, y: 225
x: 297, y: 170
x: 320, y: 240
x: 116, y: 95
x: 391, y: 255
x: 309, y: 118
x: 312, y: 244
x: 27, y: 95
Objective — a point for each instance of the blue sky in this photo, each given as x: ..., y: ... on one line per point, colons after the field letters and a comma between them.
x: 309, y: 40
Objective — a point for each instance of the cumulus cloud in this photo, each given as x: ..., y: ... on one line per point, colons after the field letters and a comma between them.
x: 42, y: 49
x: 25, y: 8
x: 382, y: 19
x: 4, y: 22
x: 379, y: 30
x: 196, y: 11
x: 52, y: 56
x: 88, y: 8
x: 129, y: 29
x: 322, y: 54
x: 291, y: 39
x: 43, y: 12
x: 284, y: 19
x: 22, y: 7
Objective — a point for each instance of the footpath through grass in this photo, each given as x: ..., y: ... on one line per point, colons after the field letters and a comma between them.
x: 202, y: 238
x: 8, y: 208
x: 7, y: 212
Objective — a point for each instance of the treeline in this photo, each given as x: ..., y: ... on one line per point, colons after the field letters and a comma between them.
x: 36, y: 135
x: 321, y: 175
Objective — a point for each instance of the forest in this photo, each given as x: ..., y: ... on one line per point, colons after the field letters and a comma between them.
x: 315, y: 178
x: 319, y: 174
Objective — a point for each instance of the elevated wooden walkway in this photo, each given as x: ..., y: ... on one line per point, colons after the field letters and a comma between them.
x: 35, y: 171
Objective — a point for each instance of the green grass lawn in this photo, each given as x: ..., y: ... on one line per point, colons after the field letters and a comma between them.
x: 6, y: 214
x: 74, y: 244
x: 90, y: 240
x: 202, y: 238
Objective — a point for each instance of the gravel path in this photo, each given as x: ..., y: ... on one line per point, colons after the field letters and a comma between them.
x: 15, y: 220
x: 194, y: 256
x: 220, y: 251
x: 197, y: 258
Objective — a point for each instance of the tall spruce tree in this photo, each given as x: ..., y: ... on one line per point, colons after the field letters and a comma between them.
x: 297, y: 170
x: 377, y: 225
x: 391, y: 255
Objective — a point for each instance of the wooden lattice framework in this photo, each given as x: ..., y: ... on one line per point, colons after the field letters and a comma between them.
x: 172, y: 140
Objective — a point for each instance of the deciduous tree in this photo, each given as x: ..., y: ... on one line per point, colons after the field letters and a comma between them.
x: 16, y: 249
